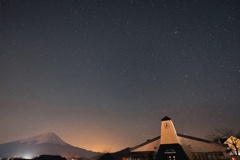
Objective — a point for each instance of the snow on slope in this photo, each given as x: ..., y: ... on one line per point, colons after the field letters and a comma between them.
x: 49, y: 137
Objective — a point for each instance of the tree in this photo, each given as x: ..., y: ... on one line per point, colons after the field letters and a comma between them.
x: 233, y: 143
x: 227, y: 136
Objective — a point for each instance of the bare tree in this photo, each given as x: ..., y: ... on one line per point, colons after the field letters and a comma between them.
x: 227, y: 136
x: 234, y: 143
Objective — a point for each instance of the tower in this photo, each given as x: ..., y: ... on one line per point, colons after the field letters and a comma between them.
x: 169, y: 149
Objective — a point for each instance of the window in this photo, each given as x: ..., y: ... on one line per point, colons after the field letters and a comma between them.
x: 208, y: 156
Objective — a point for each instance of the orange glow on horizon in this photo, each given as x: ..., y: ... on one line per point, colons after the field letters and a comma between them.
x: 102, y: 142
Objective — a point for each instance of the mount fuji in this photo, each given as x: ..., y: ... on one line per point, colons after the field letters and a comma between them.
x: 49, y: 137
x: 47, y: 143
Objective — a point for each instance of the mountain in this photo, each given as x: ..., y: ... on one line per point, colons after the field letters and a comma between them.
x: 47, y: 143
x: 49, y: 137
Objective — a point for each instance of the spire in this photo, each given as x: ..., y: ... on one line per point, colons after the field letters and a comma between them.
x: 166, y: 118
x: 169, y: 145
x: 168, y: 132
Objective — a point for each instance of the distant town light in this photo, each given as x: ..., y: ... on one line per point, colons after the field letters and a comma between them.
x: 27, y: 156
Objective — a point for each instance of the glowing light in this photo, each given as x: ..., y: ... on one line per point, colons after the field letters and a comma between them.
x: 27, y: 156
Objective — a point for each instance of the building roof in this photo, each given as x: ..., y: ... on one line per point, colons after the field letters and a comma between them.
x: 147, y: 142
x: 194, y: 138
x: 178, y: 134
x: 124, y: 151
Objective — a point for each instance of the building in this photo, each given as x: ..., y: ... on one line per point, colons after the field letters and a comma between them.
x: 173, y: 146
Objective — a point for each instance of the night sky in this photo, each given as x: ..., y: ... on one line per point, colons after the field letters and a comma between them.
x: 102, y: 74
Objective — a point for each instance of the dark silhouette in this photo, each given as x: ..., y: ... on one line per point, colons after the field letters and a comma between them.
x: 49, y: 157
x: 107, y: 156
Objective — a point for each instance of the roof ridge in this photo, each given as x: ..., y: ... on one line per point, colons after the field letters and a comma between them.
x: 178, y: 134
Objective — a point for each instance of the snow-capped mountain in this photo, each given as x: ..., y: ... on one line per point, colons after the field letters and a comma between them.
x: 47, y: 143
x: 49, y: 137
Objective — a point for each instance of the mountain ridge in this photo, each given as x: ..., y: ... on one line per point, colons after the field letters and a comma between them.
x: 48, y: 137
x: 46, y: 143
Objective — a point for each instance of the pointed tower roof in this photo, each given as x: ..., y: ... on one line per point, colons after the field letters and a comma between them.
x: 169, y: 145
x: 168, y: 132
x: 166, y: 118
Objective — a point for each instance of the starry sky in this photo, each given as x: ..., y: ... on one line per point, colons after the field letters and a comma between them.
x: 102, y: 74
